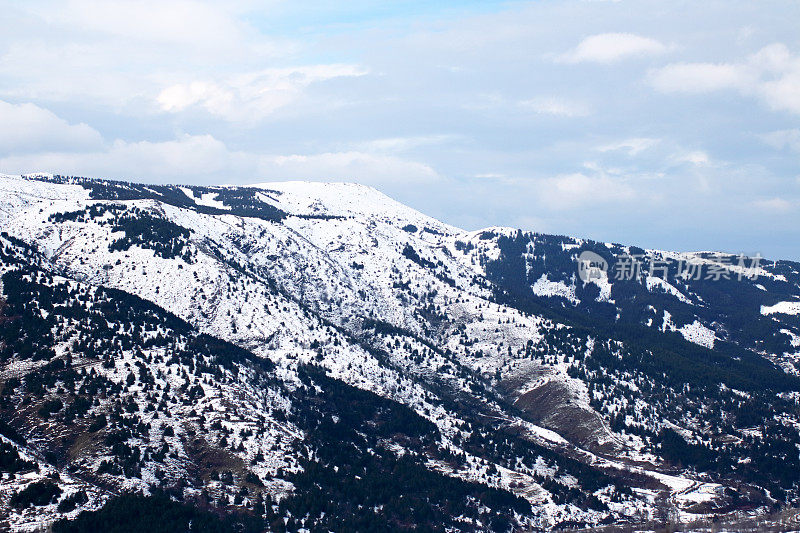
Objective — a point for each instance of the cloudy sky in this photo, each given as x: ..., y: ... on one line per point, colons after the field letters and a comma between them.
x: 663, y: 124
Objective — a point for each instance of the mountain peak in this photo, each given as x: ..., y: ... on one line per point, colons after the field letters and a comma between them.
x: 344, y: 199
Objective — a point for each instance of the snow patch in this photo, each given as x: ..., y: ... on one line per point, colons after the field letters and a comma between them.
x: 208, y: 199
x: 785, y: 308
x: 605, y: 287
x: 794, y: 338
x: 655, y: 281
x: 697, y: 333
x: 545, y: 287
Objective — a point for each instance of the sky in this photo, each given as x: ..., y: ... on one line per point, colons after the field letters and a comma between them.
x: 671, y: 125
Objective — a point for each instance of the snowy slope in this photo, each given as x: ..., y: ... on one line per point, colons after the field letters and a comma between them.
x: 390, y: 301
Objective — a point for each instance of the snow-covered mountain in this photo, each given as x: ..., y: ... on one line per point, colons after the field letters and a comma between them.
x: 319, y: 356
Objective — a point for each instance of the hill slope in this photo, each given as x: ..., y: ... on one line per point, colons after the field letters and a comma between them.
x: 299, y: 351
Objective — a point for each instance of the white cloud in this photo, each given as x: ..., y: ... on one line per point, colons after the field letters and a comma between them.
x: 783, y: 139
x: 556, y: 106
x: 203, y: 158
x: 251, y: 96
x: 84, y: 72
x: 197, y: 24
x: 632, y: 146
x: 578, y: 189
x: 695, y: 157
x: 33, y: 139
x: 28, y: 128
x: 773, y: 205
x: 189, y: 157
x: 772, y: 74
x: 700, y: 77
x: 123, y: 53
x: 612, y: 47
x: 780, y: 83
x: 402, y: 144
x: 347, y: 166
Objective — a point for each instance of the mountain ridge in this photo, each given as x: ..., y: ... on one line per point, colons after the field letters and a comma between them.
x: 448, y: 324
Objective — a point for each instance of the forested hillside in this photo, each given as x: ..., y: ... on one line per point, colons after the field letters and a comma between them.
x: 317, y: 356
